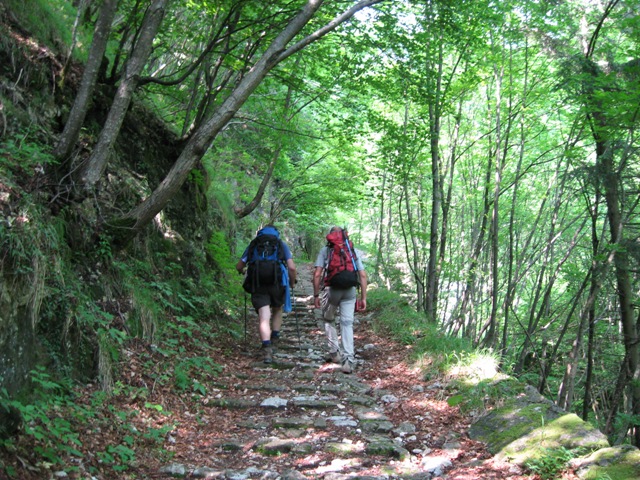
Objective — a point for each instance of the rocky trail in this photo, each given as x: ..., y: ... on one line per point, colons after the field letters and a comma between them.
x: 233, y: 417
x: 301, y: 417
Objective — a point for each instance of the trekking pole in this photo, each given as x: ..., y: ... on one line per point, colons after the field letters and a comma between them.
x: 295, y: 314
x: 245, y: 319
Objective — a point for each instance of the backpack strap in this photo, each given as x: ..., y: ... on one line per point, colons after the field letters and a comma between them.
x: 352, y: 252
x: 281, y: 255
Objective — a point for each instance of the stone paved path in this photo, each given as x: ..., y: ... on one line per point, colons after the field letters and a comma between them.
x: 301, y: 417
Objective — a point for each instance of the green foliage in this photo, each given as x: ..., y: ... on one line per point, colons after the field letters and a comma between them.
x: 452, y: 349
x: 45, y: 417
x: 220, y: 252
x: 552, y: 461
x: 23, y: 153
x: 477, y: 395
x: 221, y: 286
x: 60, y: 15
x: 53, y: 419
x: 395, y: 316
x: 200, y: 366
x: 29, y: 243
x: 398, y: 318
x: 117, y: 456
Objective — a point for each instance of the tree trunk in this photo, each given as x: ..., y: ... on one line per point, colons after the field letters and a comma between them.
x: 413, y: 259
x: 446, y: 204
x: 610, y: 178
x: 380, y: 234
x: 431, y: 294
x: 81, y: 104
x: 591, y: 312
x: 463, y: 307
x: 92, y: 171
x: 490, y: 339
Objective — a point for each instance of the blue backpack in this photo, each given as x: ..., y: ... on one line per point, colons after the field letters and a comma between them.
x: 265, y: 260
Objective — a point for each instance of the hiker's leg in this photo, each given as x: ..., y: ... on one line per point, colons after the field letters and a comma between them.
x: 261, y: 302
x: 332, y: 336
x: 331, y: 300
x: 347, y: 309
x: 264, y: 317
x: 276, y: 318
x: 276, y: 300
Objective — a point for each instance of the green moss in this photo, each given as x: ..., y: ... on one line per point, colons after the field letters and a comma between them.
x: 341, y: 448
x: 613, y: 472
x: 511, y: 422
x: 567, y: 432
x: 613, y: 463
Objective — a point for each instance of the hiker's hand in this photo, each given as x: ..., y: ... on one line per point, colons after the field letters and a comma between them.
x: 316, y: 302
x: 363, y: 303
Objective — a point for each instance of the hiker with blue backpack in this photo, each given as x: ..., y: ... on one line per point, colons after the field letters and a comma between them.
x: 339, y: 274
x: 270, y: 274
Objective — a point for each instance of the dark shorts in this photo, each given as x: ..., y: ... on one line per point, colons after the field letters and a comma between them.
x: 272, y: 295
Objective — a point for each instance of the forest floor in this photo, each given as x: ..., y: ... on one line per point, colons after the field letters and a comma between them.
x: 299, y: 417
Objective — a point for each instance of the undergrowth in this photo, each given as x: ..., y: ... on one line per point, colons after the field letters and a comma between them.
x: 136, y: 324
x: 471, y: 373
x: 398, y: 319
x: 69, y: 427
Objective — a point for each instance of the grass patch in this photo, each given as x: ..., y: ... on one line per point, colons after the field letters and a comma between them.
x: 58, y: 28
x: 398, y: 319
x: 473, y: 377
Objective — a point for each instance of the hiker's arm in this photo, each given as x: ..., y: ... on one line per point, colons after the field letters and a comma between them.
x: 240, y: 266
x: 317, y: 276
x: 363, y: 287
x: 292, y: 272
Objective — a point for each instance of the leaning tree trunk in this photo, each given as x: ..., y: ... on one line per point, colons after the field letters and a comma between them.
x: 196, y: 147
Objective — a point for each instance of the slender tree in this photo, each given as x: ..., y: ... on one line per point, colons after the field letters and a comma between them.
x: 91, y: 171
x: 82, y: 102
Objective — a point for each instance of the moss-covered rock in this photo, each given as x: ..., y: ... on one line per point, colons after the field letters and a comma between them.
x: 274, y: 446
x: 528, y: 426
x: 569, y: 432
x: 615, y: 463
x: 515, y: 419
x: 384, y: 446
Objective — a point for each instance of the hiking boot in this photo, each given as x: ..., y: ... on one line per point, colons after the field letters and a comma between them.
x: 348, y: 366
x: 267, y: 352
x: 334, y: 357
